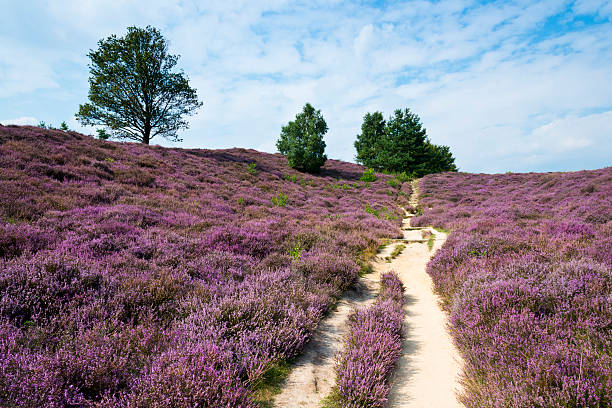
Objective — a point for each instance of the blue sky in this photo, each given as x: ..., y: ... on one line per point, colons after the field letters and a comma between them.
x: 509, y: 86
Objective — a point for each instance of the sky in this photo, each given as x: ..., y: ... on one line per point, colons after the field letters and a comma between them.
x: 509, y: 86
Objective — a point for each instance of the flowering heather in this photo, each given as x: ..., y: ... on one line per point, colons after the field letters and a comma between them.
x: 142, y: 276
x: 526, y: 274
x: 372, y: 348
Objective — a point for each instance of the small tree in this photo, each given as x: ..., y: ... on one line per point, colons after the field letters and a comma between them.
x: 400, y: 145
x: 64, y: 126
x: 133, y: 90
x: 302, y: 140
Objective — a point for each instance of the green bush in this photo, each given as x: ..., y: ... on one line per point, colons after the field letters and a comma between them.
x: 296, y: 251
x: 403, y: 177
x: 252, y: 168
x: 368, y: 175
x: 280, y: 200
x: 394, y: 183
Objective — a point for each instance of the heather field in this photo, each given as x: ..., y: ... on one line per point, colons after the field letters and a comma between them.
x: 137, y: 276
x: 526, y: 274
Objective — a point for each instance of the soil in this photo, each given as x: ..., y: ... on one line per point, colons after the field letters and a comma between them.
x: 428, y: 372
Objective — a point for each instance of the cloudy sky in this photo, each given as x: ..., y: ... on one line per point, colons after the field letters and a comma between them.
x: 519, y: 86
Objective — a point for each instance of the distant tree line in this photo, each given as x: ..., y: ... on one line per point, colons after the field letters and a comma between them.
x: 398, y: 145
x: 135, y: 94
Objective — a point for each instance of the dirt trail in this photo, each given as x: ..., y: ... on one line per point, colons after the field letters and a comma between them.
x: 313, y: 376
x: 428, y: 371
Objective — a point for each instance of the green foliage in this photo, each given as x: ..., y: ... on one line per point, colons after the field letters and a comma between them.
x: 240, y: 200
x: 133, y: 89
x: 302, y: 140
x: 430, y: 241
x: 403, y: 177
x: 43, y: 125
x: 400, y: 145
x: 296, y: 251
x: 370, y: 140
x: 388, y: 215
x: 394, y: 183
x: 252, y: 169
x: 397, y: 250
x: 368, y: 175
x: 333, y: 400
x: 370, y: 210
x: 102, y: 134
x: 64, y: 126
x: 280, y: 200
x: 342, y: 186
x: 270, y: 383
x: 291, y: 177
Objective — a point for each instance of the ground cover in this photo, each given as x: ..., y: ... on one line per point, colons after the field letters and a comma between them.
x: 526, y: 276
x: 136, y: 275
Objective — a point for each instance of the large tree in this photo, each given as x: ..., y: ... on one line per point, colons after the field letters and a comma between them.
x: 133, y: 89
x: 400, y: 145
x: 302, y: 140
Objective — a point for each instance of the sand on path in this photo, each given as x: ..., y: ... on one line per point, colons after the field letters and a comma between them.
x: 428, y: 372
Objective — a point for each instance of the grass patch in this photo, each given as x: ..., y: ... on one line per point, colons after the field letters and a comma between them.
x: 270, y: 383
x: 430, y: 241
x: 365, y: 268
x: 396, y: 251
x: 332, y: 400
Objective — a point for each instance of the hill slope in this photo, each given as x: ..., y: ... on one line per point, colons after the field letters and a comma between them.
x: 136, y: 275
x: 526, y: 274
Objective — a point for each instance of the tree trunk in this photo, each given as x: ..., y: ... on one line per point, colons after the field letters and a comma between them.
x: 147, y: 135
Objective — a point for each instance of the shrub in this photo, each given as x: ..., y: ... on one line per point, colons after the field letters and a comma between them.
x: 280, y: 200
x: 393, y: 183
x: 252, y: 169
x: 368, y: 175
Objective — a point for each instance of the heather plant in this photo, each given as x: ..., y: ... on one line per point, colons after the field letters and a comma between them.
x: 526, y: 275
x: 372, y: 348
x: 130, y: 275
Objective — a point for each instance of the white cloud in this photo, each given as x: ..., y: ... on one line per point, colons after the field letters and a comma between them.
x: 24, y: 120
x: 488, y: 80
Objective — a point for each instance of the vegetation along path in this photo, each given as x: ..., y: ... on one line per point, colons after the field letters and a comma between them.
x: 428, y: 371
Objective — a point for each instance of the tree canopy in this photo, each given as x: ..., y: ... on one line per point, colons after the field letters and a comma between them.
x: 133, y: 89
x: 400, y: 144
x: 302, y: 140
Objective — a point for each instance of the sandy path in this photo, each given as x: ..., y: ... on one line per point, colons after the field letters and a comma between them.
x: 313, y: 376
x: 428, y: 370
